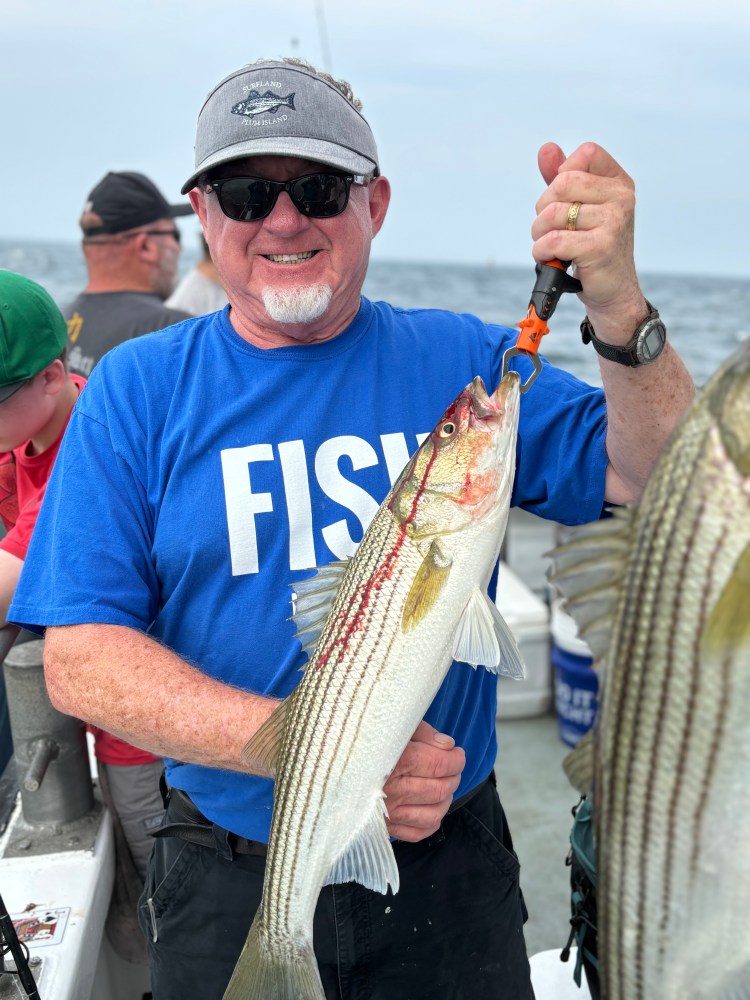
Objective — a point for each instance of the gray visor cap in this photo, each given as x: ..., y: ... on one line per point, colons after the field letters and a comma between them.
x: 277, y: 109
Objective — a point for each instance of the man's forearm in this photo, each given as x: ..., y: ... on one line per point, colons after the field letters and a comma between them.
x: 129, y: 684
x: 643, y: 407
x: 10, y: 571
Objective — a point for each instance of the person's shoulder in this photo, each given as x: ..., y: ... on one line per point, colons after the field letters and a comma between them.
x: 152, y: 306
x: 433, y: 322
x: 136, y: 306
x: 175, y: 338
x: 136, y: 383
x: 69, y: 309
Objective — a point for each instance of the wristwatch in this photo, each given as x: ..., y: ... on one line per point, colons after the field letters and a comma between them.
x: 644, y: 346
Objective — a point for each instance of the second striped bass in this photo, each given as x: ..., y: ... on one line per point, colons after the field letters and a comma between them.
x: 661, y: 593
x: 383, y: 628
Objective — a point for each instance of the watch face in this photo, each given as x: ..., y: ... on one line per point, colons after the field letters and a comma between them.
x: 651, y: 342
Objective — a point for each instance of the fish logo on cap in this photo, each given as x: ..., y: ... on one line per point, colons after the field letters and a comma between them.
x: 258, y: 104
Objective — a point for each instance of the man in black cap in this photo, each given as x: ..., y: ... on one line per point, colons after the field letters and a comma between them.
x: 132, y: 247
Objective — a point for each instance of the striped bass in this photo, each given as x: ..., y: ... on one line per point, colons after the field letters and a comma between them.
x: 661, y: 592
x: 383, y: 629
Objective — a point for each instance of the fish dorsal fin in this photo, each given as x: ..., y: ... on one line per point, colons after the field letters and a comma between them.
x: 484, y: 638
x: 588, y: 568
x: 313, y: 600
x: 369, y: 859
x: 261, y: 751
x: 728, y: 625
x: 579, y: 765
x: 428, y: 584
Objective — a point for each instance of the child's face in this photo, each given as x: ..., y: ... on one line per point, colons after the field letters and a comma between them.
x: 24, y: 413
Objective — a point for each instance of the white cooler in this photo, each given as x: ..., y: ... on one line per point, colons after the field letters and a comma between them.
x: 528, y: 617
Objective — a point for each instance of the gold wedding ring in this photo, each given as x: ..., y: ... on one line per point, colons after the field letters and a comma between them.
x: 573, y: 214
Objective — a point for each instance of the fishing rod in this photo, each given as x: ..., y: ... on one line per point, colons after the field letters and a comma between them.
x: 19, y: 952
x: 552, y: 280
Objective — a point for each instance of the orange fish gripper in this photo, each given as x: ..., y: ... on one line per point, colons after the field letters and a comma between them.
x: 552, y: 280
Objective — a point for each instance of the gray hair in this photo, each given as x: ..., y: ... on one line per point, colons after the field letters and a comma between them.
x: 343, y: 86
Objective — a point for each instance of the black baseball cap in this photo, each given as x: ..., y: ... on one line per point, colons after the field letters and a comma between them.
x: 125, y: 200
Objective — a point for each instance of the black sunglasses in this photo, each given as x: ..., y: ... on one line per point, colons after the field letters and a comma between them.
x: 249, y: 199
x: 175, y: 233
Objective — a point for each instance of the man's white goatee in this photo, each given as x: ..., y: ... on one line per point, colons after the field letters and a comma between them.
x: 297, y: 305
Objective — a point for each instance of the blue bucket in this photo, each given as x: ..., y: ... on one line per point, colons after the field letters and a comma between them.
x: 576, y: 683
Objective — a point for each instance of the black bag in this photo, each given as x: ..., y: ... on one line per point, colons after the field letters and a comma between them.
x: 582, y: 861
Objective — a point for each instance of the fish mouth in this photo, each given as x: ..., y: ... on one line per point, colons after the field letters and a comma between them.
x: 504, y: 400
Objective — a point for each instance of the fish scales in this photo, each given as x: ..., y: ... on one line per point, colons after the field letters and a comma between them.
x: 328, y: 720
x: 672, y: 742
x: 662, y: 709
x: 633, y: 703
x: 637, y: 705
x: 382, y: 641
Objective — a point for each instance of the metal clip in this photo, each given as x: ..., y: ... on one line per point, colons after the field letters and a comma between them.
x: 552, y: 280
x: 533, y: 358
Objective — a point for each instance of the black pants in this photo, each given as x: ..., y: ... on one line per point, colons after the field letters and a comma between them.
x: 454, y: 931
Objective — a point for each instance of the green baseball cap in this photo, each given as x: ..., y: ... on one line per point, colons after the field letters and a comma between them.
x: 32, y: 331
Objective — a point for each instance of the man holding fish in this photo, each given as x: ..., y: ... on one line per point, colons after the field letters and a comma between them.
x: 219, y: 462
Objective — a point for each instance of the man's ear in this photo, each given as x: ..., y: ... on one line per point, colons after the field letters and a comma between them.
x: 145, y: 247
x: 379, y: 190
x: 54, y: 377
x: 198, y: 201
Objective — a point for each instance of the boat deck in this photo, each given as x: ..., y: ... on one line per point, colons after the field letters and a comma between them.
x: 538, y: 799
x: 535, y: 792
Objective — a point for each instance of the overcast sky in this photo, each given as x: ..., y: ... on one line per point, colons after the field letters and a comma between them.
x: 460, y: 96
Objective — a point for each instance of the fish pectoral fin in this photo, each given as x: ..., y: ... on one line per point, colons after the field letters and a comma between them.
x: 483, y: 637
x: 579, y: 765
x: 428, y: 584
x: 313, y: 599
x: 588, y: 569
x: 369, y: 859
x: 728, y: 626
x: 736, y: 984
x: 261, y: 751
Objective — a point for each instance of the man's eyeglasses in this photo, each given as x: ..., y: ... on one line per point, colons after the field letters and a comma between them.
x: 174, y: 233
x: 249, y: 199
x: 121, y: 237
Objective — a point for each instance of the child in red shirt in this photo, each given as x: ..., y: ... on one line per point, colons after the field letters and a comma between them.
x: 37, y: 395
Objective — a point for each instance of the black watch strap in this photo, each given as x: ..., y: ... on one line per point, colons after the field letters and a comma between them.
x: 628, y: 354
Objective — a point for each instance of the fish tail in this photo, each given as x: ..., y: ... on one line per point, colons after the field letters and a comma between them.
x: 262, y: 974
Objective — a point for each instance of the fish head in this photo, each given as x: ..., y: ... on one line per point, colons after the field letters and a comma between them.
x: 463, y: 471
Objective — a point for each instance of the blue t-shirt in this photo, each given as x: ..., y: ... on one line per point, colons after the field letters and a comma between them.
x: 200, y: 476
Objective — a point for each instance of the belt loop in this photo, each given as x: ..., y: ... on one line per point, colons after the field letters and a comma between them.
x: 223, y: 842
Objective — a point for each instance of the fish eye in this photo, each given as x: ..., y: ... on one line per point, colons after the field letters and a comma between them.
x: 448, y: 429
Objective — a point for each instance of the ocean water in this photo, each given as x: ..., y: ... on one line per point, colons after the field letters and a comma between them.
x: 706, y: 317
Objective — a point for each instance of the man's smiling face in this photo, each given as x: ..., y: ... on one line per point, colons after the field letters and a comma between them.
x: 291, y: 278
